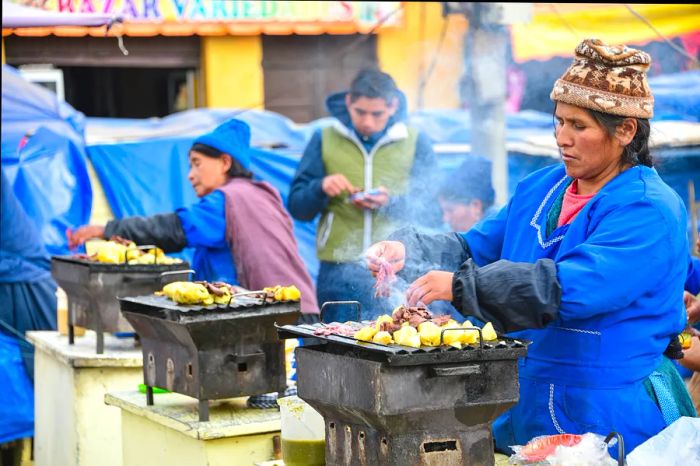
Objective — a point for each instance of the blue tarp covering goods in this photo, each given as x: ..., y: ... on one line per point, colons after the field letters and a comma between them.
x: 43, y: 155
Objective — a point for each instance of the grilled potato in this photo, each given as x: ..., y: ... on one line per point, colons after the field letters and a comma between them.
x: 407, y: 336
x: 383, y: 338
x: 429, y: 334
x: 488, y: 332
x: 366, y: 333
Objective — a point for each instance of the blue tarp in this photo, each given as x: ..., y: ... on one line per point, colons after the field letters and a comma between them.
x: 17, y: 406
x: 677, y: 96
x: 49, y: 173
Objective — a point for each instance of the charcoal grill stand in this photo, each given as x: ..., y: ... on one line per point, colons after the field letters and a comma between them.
x: 210, y: 352
x: 92, y: 289
x: 395, y: 405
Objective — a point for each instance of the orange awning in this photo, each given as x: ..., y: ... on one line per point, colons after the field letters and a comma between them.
x: 200, y: 28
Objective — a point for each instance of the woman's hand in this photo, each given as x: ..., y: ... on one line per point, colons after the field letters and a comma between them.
x: 432, y: 286
x: 692, y: 307
x: 84, y: 233
x: 393, y: 252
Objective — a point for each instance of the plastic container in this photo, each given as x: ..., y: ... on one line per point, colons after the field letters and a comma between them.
x: 303, y: 433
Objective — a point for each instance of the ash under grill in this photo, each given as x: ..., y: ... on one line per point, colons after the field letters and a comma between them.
x: 210, y: 352
x: 92, y: 289
x: 396, y: 405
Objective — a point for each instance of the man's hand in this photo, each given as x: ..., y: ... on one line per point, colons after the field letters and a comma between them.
x: 335, y: 185
x: 373, y: 201
x: 432, y: 286
x: 393, y: 252
x: 84, y: 233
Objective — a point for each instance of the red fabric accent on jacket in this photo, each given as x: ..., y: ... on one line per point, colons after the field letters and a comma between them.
x: 572, y: 204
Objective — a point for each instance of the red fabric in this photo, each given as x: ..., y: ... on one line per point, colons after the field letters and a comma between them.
x: 572, y: 204
x: 260, y: 235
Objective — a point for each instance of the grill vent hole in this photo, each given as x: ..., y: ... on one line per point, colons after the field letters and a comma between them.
x: 430, y: 447
x: 242, y: 367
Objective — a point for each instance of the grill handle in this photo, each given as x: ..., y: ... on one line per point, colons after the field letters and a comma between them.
x: 334, y: 303
x: 481, y: 340
x: 438, y: 371
x: 159, y: 278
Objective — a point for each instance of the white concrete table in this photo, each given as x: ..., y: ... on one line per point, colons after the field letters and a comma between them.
x: 72, y: 424
x: 169, y: 431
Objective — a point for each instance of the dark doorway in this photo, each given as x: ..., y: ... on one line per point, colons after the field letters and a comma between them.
x: 300, y: 71
x: 126, y: 92
x: 155, y: 78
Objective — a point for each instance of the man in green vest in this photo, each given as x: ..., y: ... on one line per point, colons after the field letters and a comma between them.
x: 367, y: 174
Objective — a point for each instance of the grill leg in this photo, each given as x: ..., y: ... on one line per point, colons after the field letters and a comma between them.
x: 99, y: 331
x: 203, y: 410
x: 149, y: 395
x: 71, y: 330
x: 100, y: 342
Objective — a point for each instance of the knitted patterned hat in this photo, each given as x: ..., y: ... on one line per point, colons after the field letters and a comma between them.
x: 607, y: 78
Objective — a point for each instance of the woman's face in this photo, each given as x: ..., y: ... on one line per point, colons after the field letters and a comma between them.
x: 208, y: 173
x: 588, y: 152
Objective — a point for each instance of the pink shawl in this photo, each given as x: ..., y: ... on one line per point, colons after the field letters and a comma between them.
x: 260, y: 235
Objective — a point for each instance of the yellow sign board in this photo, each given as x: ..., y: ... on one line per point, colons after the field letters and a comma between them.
x: 231, y: 10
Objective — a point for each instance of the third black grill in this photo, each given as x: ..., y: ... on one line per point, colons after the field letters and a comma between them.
x: 397, y: 405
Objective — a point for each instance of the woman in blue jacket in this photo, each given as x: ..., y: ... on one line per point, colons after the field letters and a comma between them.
x: 239, y: 229
x: 587, y: 260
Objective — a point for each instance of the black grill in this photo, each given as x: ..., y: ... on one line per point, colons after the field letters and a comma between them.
x: 92, y: 289
x: 396, y: 405
x: 211, y: 352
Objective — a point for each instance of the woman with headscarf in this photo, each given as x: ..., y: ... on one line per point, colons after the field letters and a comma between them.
x: 587, y: 260
x: 239, y: 229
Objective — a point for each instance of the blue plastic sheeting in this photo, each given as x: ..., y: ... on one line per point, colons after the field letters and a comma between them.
x: 269, y: 129
x: 26, y: 107
x: 49, y: 174
x: 677, y: 96
x: 16, y: 393
x: 454, y: 126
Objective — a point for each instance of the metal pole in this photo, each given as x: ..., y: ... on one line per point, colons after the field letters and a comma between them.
x: 485, y: 68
